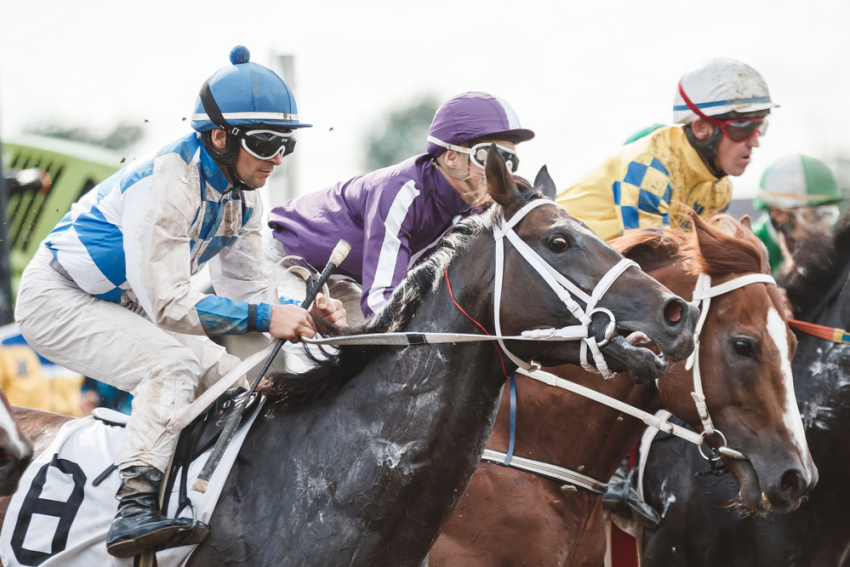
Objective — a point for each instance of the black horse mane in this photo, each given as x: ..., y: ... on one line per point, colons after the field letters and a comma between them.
x: 330, y: 374
x: 819, y: 263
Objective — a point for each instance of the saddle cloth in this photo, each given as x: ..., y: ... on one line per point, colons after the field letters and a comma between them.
x: 57, y: 517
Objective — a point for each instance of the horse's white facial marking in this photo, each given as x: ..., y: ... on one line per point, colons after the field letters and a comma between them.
x: 7, y: 423
x: 778, y: 331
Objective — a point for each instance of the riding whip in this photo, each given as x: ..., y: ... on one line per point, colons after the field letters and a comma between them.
x: 339, y: 254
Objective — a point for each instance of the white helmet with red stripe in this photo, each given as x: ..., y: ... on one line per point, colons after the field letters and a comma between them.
x: 718, y: 86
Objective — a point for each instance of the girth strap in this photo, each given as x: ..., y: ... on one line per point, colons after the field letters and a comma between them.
x: 547, y: 470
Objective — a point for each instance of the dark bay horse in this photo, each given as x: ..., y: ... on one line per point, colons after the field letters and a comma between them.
x: 699, y: 527
x: 511, y: 517
x: 15, y: 449
x: 361, y: 460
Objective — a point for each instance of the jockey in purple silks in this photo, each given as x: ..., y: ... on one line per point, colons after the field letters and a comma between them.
x: 394, y: 216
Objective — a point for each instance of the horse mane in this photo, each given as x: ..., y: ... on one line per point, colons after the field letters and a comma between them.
x: 819, y: 261
x: 722, y: 246
x: 717, y: 247
x: 334, y: 371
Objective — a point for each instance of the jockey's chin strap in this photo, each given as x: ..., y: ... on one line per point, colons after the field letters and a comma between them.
x: 703, y: 292
x: 563, y: 288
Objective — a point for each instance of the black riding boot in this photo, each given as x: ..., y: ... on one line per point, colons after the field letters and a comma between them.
x: 621, y: 499
x: 139, y: 525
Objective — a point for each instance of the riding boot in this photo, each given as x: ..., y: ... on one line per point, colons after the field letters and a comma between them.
x: 623, y: 500
x: 140, y: 525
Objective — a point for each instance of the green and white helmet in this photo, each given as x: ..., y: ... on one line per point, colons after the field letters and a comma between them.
x: 797, y: 181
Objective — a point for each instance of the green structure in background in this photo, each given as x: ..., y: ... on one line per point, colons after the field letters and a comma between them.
x: 74, y: 169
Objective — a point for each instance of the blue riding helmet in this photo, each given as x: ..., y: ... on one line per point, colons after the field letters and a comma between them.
x: 247, y: 93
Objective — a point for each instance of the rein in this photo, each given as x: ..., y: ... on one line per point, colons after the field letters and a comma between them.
x: 703, y: 292
x: 833, y: 334
x: 563, y: 288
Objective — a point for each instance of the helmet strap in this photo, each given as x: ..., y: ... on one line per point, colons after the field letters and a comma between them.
x: 455, y: 174
x: 707, y: 149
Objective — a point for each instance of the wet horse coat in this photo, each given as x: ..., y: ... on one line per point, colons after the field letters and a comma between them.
x: 510, y: 517
x: 360, y: 461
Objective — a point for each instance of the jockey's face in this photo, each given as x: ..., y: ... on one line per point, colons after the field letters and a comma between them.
x: 254, y: 172
x: 734, y: 157
x: 476, y: 178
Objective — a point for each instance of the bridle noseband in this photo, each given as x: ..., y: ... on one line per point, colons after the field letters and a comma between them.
x: 563, y: 288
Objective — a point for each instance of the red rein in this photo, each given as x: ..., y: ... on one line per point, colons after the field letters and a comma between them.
x: 480, y: 326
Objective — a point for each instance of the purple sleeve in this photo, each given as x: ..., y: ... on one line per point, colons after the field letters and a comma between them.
x: 391, y: 217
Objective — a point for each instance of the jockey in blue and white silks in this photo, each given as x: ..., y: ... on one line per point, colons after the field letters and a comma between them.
x: 392, y: 217
x: 125, y: 242
x: 108, y: 294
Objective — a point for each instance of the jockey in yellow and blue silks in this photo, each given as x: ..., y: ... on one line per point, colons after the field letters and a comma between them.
x: 720, y: 108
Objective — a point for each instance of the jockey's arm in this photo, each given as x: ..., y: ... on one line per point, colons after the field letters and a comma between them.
x: 643, y: 195
x: 386, y: 248
x: 156, y: 225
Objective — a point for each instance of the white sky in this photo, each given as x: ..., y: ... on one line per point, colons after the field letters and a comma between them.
x: 583, y: 75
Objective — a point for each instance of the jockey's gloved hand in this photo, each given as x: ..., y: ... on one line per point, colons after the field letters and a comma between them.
x: 331, y: 310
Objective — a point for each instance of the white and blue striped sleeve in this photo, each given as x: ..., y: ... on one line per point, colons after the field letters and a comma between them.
x: 159, y: 211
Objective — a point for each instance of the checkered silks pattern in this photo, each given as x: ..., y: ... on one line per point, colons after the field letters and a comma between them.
x: 642, y: 198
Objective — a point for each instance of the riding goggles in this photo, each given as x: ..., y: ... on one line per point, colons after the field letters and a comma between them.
x: 819, y: 216
x: 478, y: 152
x: 266, y: 144
x: 737, y: 129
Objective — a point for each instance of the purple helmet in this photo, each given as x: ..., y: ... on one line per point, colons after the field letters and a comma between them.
x: 473, y: 115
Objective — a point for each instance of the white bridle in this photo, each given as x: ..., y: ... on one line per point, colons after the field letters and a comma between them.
x: 703, y: 292
x: 562, y: 288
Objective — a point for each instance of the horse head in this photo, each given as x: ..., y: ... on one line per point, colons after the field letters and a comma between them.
x: 645, y: 313
x: 745, y: 349
x: 15, y: 449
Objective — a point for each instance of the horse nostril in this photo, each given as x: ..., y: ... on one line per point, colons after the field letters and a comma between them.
x: 791, y: 482
x: 673, y: 312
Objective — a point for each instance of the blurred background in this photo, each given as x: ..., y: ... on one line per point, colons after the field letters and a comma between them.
x: 583, y: 75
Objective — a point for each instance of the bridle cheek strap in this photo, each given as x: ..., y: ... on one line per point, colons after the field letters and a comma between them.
x: 703, y: 292
x: 563, y: 288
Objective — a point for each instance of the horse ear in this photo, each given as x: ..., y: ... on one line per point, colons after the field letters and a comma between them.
x: 545, y: 184
x: 745, y: 220
x: 500, y: 183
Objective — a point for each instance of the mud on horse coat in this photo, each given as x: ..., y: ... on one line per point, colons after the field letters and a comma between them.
x: 701, y: 521
x: 361, y: 460
x: 511, y: 517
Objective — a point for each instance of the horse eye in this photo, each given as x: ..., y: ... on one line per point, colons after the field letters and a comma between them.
x: 744, y: 347
x: 558, y: 244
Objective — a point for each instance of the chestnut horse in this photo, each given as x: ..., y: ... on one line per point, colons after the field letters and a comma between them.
x: 699, y: 528
x: 511, y: 517
x: 361, y: 460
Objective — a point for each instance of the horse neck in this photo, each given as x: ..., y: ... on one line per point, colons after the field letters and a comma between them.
x: 820, y: 382
x: 562, y: 428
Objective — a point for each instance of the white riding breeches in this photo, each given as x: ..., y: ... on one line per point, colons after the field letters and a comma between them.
x: 164, y: 371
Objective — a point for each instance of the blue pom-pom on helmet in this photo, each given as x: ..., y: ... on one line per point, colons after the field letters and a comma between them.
x: 239, y: 55
x: 247, y: 93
